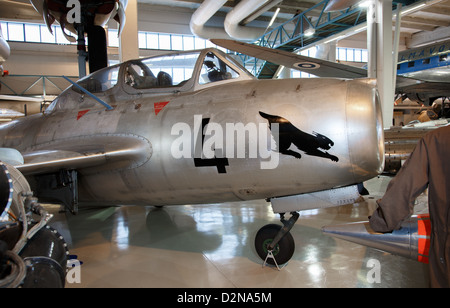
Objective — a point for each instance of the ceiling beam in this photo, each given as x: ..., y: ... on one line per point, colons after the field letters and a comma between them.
x: 423, y: 38
x: 426, y: 21
x: 415, y: 26
x: 18, y: 10
x: 291, y: 6
x: 230, y: 3
x: 437, y: 9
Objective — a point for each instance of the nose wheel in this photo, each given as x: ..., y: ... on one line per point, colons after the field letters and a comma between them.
x: 274, y: 243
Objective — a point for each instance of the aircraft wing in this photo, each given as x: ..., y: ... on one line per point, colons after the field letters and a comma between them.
x: 405, y: 84
x: 14, y: 98
x: 12, y: 106
x: 417, y: 90
x: 422, y: 91
x: 318, y: 67
x: 89, y: 153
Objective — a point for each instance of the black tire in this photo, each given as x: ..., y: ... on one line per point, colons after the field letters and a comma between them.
x: 282, y: 252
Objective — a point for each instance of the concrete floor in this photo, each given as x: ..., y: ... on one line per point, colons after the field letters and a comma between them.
x: 195, y: 246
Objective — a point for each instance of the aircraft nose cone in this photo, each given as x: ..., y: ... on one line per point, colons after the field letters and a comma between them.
x: 363, y: 111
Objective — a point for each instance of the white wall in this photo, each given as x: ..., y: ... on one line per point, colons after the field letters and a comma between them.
x: 42, y: 59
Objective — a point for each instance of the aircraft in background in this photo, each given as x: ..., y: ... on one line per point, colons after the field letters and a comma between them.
x: 93, y: 16
x: 196, y: 128
x: 9, y: 104
x: 427, y: 91
x: 430, y: 63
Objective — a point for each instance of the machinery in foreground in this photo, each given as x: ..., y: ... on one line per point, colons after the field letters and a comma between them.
x: 32, y: 254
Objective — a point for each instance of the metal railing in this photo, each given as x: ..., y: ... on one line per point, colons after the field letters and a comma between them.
x: 303, y: 29
x: 33, y: 85
x: 306, y: 28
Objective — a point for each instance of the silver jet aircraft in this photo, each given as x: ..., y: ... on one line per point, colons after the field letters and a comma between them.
x: 196, y: 127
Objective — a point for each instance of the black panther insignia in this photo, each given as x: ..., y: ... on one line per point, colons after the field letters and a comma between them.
x: 314, y: 145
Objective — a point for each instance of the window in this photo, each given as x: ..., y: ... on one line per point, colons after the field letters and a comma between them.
x: 15, y: 32
x: 177, y: 42
x: 142, y: 39
x: 32, y: 33
x: 351, y: 54
x: 199, y: 43
x: 100, y: 81
x: 299, y: 74
x: 165, y: 42
x: 358, y: 55
x: 113, y: 38
x: 365, y: 56
x: 60, y: 38
x: 46, y: 36
x: 214, y: 69
x: 342, y: 54
x: 39, y: 33
x: 160, y: 72
x: 310, y: 52
x: 188, y: 42
x: 153, y: 41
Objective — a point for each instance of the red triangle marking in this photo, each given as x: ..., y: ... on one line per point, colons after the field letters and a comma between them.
x: 159, y: 106
x: 82, y: 113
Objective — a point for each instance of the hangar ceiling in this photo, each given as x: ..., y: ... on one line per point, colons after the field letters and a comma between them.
x: 433, y: 17
x: 430, y: 22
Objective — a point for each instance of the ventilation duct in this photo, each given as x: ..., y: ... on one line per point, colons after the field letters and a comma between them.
x: 241, y: 12
x: 232, y: 25
x: 202, y: 15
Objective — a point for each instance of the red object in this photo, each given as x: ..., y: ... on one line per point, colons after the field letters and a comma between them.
x: 82, y: 113
x: 424, y: 232
x: 159, y: 106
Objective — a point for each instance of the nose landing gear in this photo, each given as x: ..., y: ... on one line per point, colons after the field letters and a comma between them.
x: 274, y: 243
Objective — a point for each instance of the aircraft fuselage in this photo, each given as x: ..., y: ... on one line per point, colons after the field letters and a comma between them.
x: 209, y: 144
x: 160, y: 179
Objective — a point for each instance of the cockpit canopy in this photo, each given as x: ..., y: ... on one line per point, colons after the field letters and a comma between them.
x: 168, y: 73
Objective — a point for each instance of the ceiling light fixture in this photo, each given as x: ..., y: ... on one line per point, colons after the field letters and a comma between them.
x: 309, y: 32
x: 274, y: 17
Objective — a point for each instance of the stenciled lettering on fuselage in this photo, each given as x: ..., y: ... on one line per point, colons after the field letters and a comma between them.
x: 212, y: 144
x: 220, y: 163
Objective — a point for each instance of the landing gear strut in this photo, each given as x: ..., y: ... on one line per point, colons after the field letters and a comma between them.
x: 274, y: 244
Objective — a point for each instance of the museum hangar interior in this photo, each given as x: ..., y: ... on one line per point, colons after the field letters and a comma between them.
x: 208, y: 240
